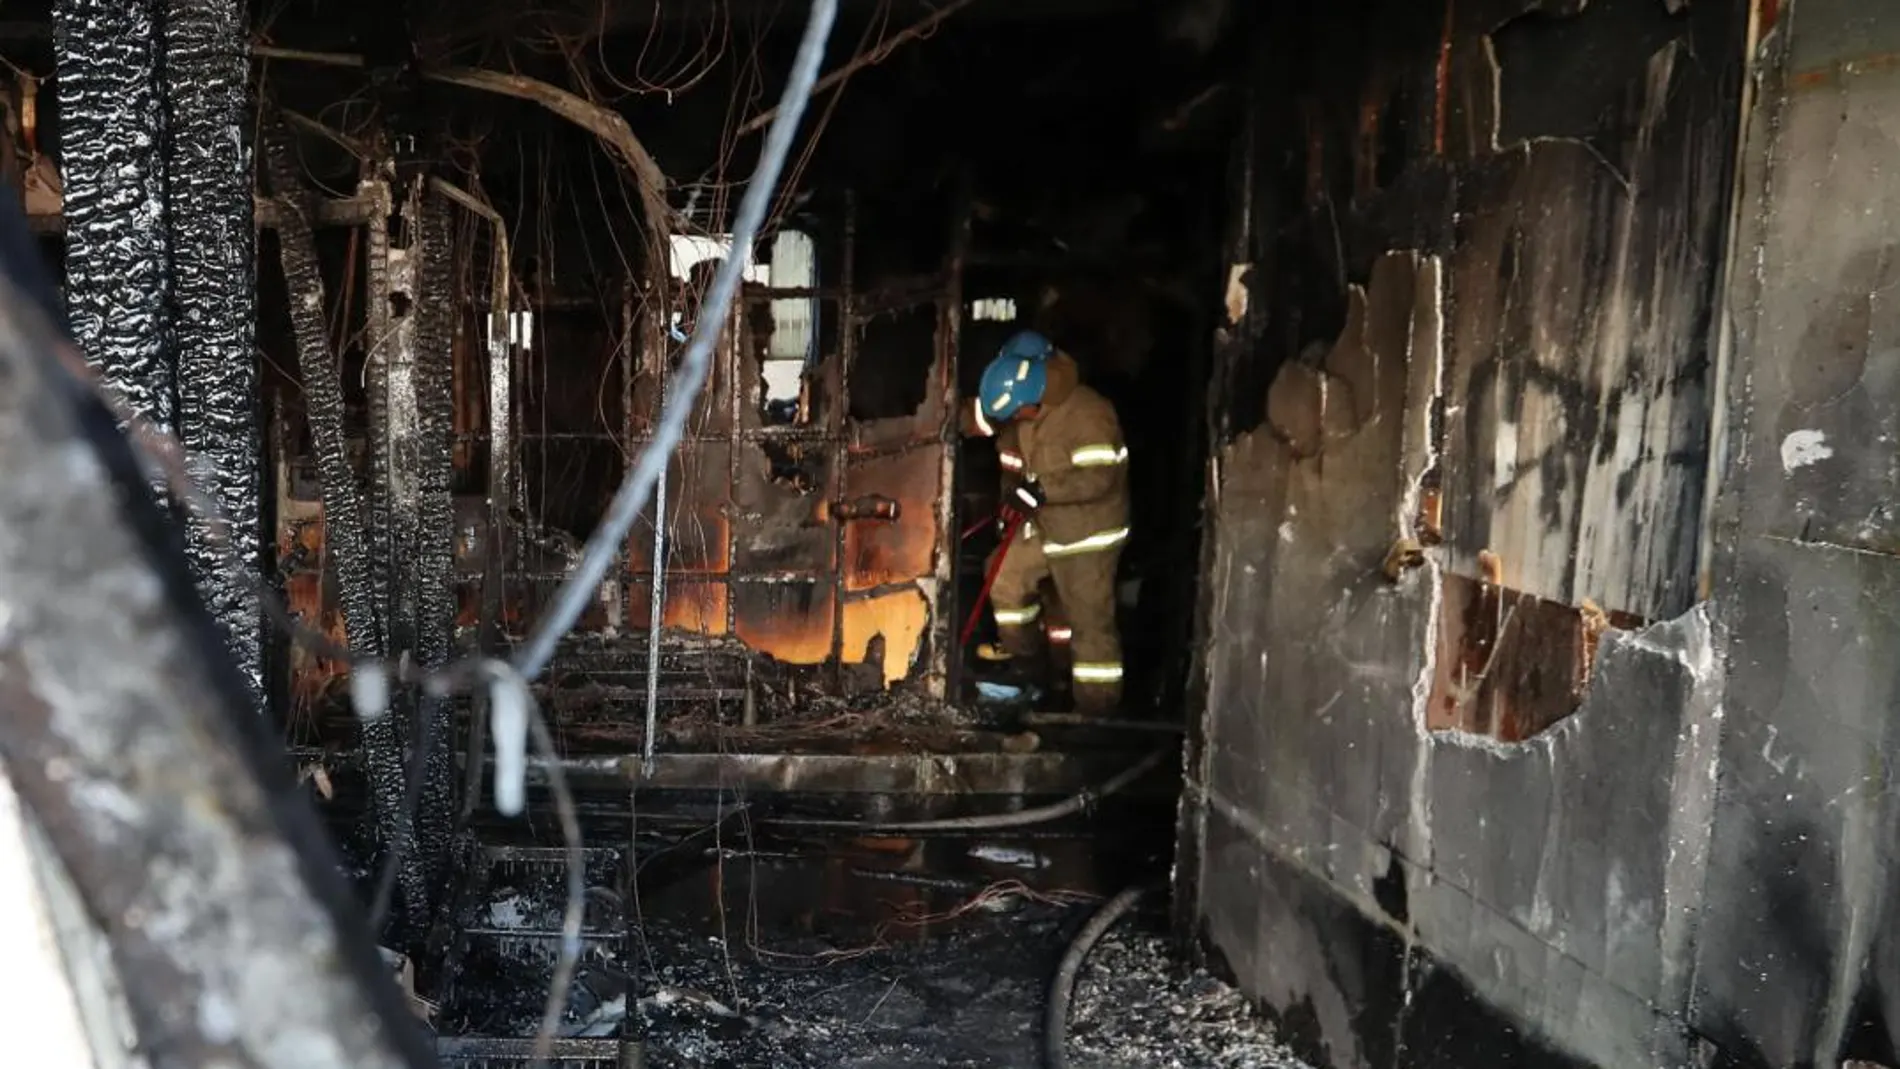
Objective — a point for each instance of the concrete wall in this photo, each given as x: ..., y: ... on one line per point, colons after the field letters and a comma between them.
x: 1798, y: 962
x: 1488, y: 256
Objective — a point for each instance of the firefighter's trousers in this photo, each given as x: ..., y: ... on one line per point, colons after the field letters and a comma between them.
x: 1085, y: 581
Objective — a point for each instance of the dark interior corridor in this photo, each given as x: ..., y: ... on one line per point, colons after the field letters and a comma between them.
x: 1505, y: 662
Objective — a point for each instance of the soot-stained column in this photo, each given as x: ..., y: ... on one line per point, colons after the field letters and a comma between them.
x: 431, y: 571
x: 323, y: 394
x: 384, y: 737
x: 411, y: 432
x: 111, y: 137
x: 213, y: 292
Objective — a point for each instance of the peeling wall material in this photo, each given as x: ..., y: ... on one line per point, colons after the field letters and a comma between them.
x: 1523, y: 395
x: 208, y: 197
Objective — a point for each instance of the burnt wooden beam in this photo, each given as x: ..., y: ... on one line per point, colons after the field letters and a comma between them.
x: 322, y: 377
x: 431, y: 565
x: 106, y: 58
x: 213, y: 301
x: 130, y: 736
x: 324, y: 212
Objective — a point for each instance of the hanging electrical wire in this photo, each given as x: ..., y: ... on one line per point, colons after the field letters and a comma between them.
x: 603, y: 546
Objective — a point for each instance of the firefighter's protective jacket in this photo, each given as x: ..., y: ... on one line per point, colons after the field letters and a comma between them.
x: 1074, y: 449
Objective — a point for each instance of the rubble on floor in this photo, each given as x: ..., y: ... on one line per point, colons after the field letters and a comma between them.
x: 970, y: 998
x: 1136, y: 1007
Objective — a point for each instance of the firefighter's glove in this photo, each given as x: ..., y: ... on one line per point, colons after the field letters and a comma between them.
x: 1028, y: 497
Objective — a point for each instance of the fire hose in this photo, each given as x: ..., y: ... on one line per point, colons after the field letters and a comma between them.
x: 1055, y: 1029
x: 1012, y: 523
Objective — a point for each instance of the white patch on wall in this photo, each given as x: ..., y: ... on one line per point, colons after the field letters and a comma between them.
x: 1236, y: 296
x: 993, y: 310
x: 1504, y: 455
x: 1804, y: 447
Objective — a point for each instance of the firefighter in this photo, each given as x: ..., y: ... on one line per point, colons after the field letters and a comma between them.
x: 1009, y: 460
x: 1009, y: 453
x: 1072, y: 488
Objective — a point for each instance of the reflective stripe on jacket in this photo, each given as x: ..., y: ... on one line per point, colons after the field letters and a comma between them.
x: 1074, y: 448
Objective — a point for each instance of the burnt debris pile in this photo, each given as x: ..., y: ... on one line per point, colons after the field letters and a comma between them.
x: 854, y: 953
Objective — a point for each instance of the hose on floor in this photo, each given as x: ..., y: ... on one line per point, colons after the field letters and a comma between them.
x: 1021, y: 818
x: 1055, y: 1031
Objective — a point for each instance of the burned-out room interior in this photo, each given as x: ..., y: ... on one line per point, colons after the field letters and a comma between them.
x: 542, y: 468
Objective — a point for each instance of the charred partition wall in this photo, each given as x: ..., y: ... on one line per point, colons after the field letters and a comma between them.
x: 1451, y: 794
x: 1798, y: 962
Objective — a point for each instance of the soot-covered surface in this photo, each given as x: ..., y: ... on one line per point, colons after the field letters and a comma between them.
x: 974, y: 998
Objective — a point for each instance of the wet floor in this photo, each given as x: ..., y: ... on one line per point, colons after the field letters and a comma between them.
x: 726, y: 944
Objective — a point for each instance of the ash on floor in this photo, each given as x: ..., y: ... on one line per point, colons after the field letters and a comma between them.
x: 972, y: 998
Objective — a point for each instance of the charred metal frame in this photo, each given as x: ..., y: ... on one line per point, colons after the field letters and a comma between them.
x: 705, y: 594
x: 395, y: 571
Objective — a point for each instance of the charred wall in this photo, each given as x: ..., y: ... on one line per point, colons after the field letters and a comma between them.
x: 1798, y: 962
x: 1468, y: 378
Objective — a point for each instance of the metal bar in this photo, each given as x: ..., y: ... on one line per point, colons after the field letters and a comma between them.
x: 630, y: 324
x: 499, y: 435
x: 656, y: 597
x: 840, y: 416
x: 947, y: 660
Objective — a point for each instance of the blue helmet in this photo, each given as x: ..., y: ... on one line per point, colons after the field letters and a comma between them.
x: 1016, y: 378
x: 1026, y: 343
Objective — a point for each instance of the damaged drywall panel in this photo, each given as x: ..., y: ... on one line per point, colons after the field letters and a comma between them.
x: 1578, y: 453
x: 1521, y: 403
x: 206, y: 63
x: 112, y: 162
x: 1297, y: 581
x: 1591, y: 877
x: 1824, y: 469
x: 1798, y: 961
x: 1352, y: 804
x: 1566, y: 76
